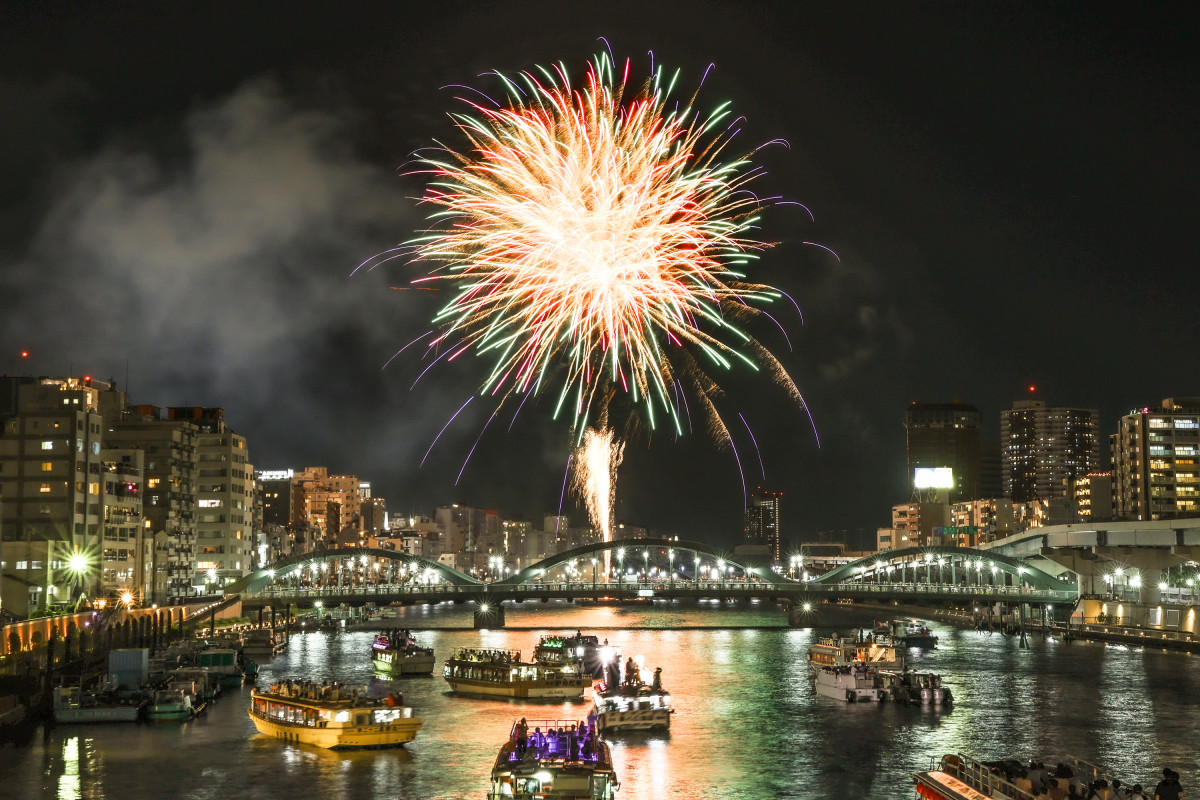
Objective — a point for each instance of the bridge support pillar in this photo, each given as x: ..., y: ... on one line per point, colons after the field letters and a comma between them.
x: 489, y: 615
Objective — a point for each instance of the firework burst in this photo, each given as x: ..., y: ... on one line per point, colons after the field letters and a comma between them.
x: 594, y: 234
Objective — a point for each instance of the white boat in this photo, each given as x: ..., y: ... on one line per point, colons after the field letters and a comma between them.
x: 916, y: 688
x: 960, y: 777
x: 396, y: 652
x: 850, y: 684
x: 631, y: 708
x: 72, y: 705
x: 845, y: 651
x: 906, y: 633
x: 501, y: 673
x: 573, y: 765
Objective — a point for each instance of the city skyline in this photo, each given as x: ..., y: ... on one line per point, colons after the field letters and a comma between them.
x: 996, y: 218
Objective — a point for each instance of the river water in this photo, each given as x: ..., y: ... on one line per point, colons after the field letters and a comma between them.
x: 748, y: 724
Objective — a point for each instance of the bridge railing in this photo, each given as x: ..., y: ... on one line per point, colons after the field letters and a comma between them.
x: 948, y: 589
x: 589, y: 588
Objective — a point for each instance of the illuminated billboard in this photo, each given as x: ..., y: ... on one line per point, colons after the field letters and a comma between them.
x: 933, y: 478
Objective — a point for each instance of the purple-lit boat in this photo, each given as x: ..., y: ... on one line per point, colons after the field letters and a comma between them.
x: 561, y: 759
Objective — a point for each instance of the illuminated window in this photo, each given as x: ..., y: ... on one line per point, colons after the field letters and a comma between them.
x: 47, y: 445
x: 44, y: 488
x: 94, y: 487
x: 47, y: 466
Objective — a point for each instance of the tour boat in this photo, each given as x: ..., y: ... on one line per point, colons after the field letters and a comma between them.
x: 332, y: 716
x: 575, y: 765
x: 630, y: 708
x: 583, y: 652
x: 501, y: 673
x: 845, y: 651
x: 851, y: 684
x: 73, y: 705
x: 960, y: 777
x: 397, y: 653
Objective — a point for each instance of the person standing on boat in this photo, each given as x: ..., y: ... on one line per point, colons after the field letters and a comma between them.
x: 657, y: 685
x: 1168, y: 788
x: 522, y: 736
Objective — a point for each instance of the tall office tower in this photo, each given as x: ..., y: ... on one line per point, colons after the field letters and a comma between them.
x: 225, y: 534
x: 168, y: 494
x: 1042, y: 449
x: 945, y: 435
x: 1154, y: 458
x: 762, y: 521
x: 51, y: 506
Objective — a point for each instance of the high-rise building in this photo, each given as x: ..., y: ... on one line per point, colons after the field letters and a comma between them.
x: 51, y: 505
x: 1154, y: 456
x: 945, y: 435
x: 1042, y: 449
x: 225, y: 534
x: 168, y: 494
x: 762, y: 521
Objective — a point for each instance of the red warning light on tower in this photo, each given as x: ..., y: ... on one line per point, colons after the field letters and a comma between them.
x: 1032, y: 388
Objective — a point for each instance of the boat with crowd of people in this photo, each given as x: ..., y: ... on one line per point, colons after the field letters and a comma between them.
x: 582, y: 651
x: 846, y: 651
x: 502, y: 673
x: 396, y: 652
x: 332, y: 716
x: 564, y: 760
x: 960, y: 777
x: 630, y: 699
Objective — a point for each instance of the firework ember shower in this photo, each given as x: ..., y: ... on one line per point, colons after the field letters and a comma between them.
x: 595, y: 235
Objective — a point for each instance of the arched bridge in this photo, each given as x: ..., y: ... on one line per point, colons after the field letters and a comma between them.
x: 646, y: 568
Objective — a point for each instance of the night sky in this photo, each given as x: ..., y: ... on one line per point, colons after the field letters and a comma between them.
x: 186, y: 189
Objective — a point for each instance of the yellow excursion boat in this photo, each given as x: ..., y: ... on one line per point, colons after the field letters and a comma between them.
x: 328, y: 715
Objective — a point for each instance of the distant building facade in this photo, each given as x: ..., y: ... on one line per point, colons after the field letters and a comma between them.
x: 1155, y: 453
x: 945, y: 435
x: 1044, y: 448
x: 762, y: 521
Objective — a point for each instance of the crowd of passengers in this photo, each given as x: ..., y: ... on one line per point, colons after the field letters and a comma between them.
x: 631, y: 680
x: 1061, y: 783
x: 398, y: 638
x: 311, y: 690
x: 488, y: 656
x: 570, y: 743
